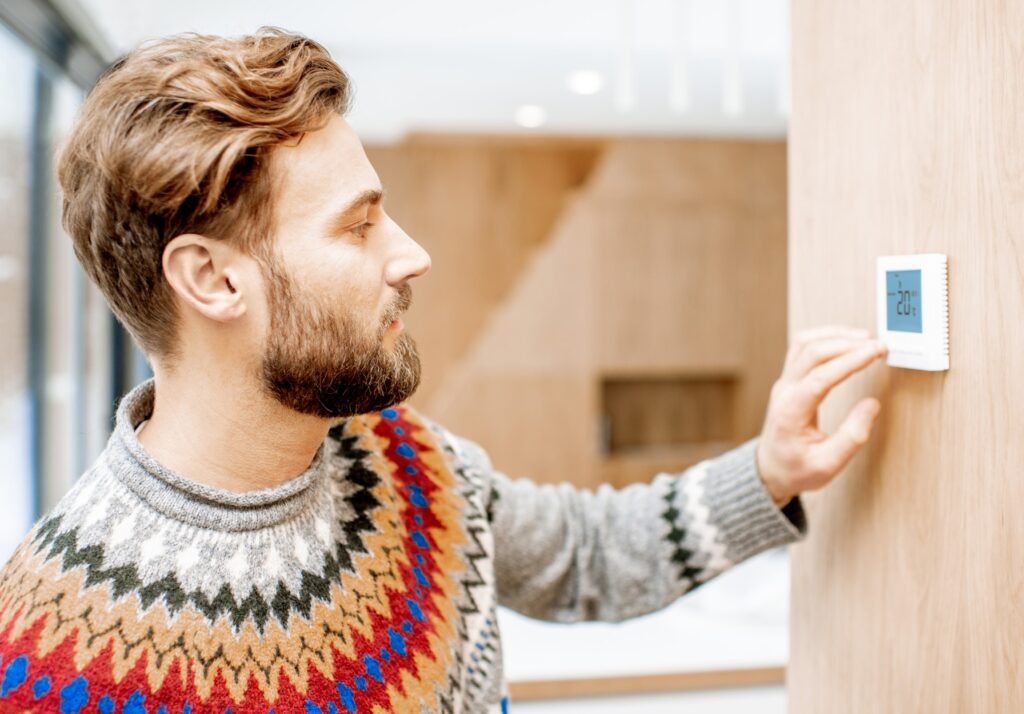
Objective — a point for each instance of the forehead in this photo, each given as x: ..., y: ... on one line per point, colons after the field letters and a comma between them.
x: 320, y: 173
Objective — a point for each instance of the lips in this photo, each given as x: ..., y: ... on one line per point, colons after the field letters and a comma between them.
x: 391, y: 324
x: 393, y: 320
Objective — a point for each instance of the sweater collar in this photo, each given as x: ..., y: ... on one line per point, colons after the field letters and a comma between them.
x: 187, y: 501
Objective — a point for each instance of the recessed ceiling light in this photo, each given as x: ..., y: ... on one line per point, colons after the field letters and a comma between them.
x: 584, y: 81
x: 531, y: 116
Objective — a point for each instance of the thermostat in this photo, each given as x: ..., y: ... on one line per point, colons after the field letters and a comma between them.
x: 913, y: 310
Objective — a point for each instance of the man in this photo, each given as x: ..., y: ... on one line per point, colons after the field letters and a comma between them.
x: 266, y: 531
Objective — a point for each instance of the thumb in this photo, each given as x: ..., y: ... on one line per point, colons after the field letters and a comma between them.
x: 861, y: 419
x: 837, y: 450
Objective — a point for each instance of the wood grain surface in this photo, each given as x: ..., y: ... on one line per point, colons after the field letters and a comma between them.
x: 667, y: 260
x: 541, y: 689
x: 907, y: 136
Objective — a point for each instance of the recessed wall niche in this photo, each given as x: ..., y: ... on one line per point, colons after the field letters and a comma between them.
x: 657, y: 412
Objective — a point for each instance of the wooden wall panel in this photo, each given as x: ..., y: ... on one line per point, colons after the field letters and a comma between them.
x: 666, y: 261
x: 907, y: 136
x: 541, y: 426
x: 526, y: 389
x: 691, y: 260
x: 666, y: 287
x: 697, y: 172
x: 546, y: 323
x: 481, y: 206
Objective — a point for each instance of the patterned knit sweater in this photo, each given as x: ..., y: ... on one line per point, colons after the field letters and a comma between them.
x: 366, y: 584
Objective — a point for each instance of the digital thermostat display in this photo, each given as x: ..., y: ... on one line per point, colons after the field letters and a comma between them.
x: 913, y: 310
x: 903, y: 300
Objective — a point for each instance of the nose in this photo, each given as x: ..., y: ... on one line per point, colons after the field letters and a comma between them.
x: 409, y: 259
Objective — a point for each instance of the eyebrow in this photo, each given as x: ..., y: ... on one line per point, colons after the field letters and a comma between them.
x: 371, y: 197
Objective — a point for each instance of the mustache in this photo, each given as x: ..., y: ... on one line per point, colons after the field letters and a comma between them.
x: 402, y: 303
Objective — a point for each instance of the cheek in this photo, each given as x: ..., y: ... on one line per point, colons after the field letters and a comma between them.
x: 346, y: 281
x: 329, y: 278
x: 357, y: 302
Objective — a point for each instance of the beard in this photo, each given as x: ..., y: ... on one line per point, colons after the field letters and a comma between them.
x: 328, y: 365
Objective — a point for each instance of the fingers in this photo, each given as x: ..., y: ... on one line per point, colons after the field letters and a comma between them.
x: 818, y: 352
x: 817, y: 333
x: 807, y: 339
x: 831, y: 455
x: 793, y: 452
x: 822, y: 379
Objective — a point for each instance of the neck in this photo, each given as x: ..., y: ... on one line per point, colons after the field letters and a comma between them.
x: 218, y: 428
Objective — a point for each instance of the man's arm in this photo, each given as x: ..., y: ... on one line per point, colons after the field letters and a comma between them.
x: 566, y: 554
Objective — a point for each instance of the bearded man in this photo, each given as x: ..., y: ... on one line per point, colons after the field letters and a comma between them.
x: 270, y: 529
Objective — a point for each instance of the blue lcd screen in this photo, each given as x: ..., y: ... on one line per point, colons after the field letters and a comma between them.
x: 903, y: 300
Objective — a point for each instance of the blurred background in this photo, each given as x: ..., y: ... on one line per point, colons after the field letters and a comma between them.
x: 602, y: 188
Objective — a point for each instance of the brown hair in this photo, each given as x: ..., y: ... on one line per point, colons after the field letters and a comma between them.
x: 175, y: 138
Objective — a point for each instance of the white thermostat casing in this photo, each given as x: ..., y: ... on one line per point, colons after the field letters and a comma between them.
x: 913, y: 310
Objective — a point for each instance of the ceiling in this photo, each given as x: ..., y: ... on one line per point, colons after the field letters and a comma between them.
x: 669, y: 67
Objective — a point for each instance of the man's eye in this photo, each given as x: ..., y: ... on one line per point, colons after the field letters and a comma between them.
x: 361, y: 229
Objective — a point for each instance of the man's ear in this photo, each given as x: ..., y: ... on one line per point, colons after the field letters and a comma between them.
x: 205, y: 274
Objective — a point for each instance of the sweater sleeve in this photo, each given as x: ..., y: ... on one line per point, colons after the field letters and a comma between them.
x: 565, y: 554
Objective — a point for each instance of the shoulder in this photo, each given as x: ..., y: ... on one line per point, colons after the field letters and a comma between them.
x: 467, y: 461
x: 56, y: 542
x: 402, y: 432
x: 420, y: 460
x: 404, y: 428
x: 462, y: 453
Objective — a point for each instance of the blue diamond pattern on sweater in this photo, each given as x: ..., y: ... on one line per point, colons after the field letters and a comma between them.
x: 347, y: 697
x: 373, y: 668
x: 40, y: 687
x: 397, y: 641
x: 15, y: 675
x: 74, y: 696
x: 135, y: 704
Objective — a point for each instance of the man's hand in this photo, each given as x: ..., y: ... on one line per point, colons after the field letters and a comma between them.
x: 793, y: 455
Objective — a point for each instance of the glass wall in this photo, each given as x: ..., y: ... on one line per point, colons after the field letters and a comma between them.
x: 57, y: 387
x: 17, y: 70
x: 77, y: 330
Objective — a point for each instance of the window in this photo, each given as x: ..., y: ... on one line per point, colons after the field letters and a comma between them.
x: 56, y: 380
x: 17, y: 69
